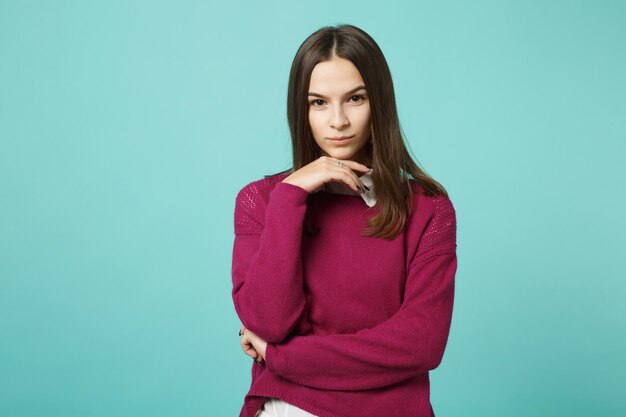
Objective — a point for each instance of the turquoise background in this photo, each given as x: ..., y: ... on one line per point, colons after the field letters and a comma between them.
x: 127, y: 128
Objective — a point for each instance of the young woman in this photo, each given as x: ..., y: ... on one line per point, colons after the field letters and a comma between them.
x: 343, y: 266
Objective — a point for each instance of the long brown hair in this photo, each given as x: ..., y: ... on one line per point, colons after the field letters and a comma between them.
x: 394, y: 168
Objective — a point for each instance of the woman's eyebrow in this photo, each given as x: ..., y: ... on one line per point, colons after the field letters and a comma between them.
x: 354, y: 90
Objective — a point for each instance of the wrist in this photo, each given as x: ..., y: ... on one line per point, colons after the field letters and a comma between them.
x: 292, y: 184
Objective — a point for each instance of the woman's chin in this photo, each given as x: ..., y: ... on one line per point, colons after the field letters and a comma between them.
x: 343, y: 155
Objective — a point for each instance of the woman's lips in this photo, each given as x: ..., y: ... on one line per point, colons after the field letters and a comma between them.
x: 341, y: 140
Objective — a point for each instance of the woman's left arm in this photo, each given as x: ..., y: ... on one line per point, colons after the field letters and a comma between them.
x: 407, y: 344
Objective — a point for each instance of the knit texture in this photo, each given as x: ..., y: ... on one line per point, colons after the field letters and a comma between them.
x: 354, y: 324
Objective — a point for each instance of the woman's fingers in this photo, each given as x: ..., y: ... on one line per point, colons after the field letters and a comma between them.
x: 348, y: 177
x: 342, y: 171
x: 248, y: 347
x: 352, y: 165
x: 326, y: 169
x: 258, y: 344
x: 246, y: 344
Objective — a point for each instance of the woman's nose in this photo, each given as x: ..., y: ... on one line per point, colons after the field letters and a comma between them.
x: 339, y: 119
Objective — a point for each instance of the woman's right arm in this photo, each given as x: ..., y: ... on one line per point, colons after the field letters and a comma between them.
x: 268, y: 285
x: 267, y: 278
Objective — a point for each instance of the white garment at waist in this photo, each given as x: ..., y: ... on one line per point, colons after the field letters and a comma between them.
x: 275, y: 407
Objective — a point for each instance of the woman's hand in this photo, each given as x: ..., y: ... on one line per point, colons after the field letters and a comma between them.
x: 253, y: 345
x: 324, y: 170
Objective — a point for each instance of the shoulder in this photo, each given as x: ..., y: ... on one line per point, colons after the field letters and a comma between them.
x: 258, y: 190
x: 428, y: 205
x: 433, y: 220
x: 251, y: 202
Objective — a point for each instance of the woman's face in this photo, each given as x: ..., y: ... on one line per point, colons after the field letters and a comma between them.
x: 339, y: 110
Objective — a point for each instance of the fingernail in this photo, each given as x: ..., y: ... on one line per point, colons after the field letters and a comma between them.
x: 359, y: 188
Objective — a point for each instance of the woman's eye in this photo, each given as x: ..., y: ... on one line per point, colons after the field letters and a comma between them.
x: 358, y: 98
x: 317, y: 102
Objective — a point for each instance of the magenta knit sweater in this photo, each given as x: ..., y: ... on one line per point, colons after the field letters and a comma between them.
x: 353, y: 323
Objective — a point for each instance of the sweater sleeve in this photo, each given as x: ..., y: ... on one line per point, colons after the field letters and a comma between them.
x: 410, y: 342
x: 268, y: 291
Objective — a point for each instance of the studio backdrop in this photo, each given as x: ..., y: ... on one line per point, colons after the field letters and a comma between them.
x: 128, y: 127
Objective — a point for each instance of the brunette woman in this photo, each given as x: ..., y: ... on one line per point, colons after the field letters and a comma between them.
x: 343, y: 265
